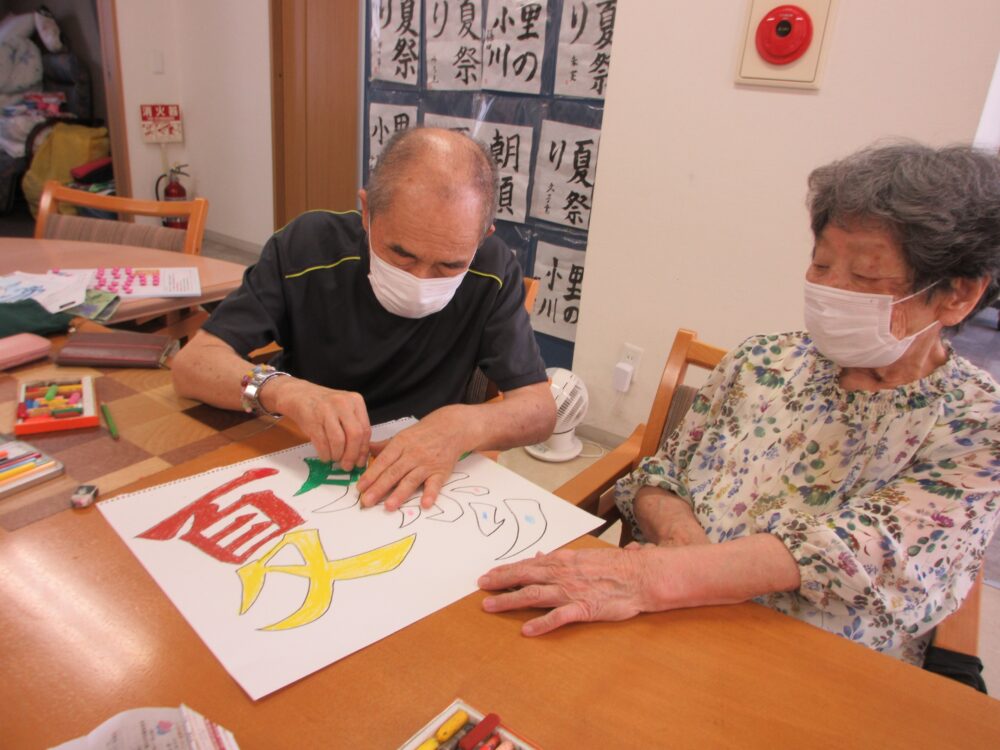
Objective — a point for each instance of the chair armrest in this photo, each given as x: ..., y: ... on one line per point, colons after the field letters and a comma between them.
x: 960, y: 630
x: 585, y: 489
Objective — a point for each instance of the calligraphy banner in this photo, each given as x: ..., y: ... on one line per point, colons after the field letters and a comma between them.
x: 275, y: 565
x: 395, y: 40
x: 564, y: 174
x: 557, y: 306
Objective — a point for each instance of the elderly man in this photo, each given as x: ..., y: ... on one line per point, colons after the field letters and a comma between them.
x: 382, y: 315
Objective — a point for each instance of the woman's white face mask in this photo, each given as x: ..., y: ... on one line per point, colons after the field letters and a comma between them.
x: 853, y: 328
x: 403, y: 294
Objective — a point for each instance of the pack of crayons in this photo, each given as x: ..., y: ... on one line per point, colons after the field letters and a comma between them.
x: 461, y: 727
x: 22, y: 465
x: 57, y: 404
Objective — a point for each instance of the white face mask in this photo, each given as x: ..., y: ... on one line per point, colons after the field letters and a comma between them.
x: 403, y: 294
x: 852, y: 328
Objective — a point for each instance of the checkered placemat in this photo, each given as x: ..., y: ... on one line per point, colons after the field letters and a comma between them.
x: 158, y: 429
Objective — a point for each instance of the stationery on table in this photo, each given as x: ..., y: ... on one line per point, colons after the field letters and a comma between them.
x: 462, y: 727
x: 180, y: 728
x: 116, y: 349
x: 98, y: 306
x: 21, y: 348
x: 57, y: 404
x: 130, y: 282
x: 23, y: 465
x: 55, y: 291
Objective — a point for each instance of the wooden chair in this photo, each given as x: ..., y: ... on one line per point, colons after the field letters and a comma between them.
x: 53, y: 224
x: 590, y: 488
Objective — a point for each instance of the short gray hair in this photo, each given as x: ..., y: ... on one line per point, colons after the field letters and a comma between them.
x: 941, y: 205
x: 410, y: 148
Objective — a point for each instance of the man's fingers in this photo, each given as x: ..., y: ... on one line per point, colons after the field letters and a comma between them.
x: 382, y: 478
x: 432, y: 488
x: 403, y: 490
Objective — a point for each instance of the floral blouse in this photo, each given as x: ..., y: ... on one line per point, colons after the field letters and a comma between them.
x: 885, y: 499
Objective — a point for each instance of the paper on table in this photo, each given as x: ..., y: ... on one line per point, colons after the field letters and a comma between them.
x: 53, y: 291
x: 155, y: 729
x: 135, y: 283
x: 341, y: 577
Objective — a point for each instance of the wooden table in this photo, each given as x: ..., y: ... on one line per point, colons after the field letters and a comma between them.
x: 218, y: 277
x: 86, y: 633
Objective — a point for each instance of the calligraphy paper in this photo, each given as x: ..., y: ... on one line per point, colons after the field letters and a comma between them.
x: 565, y: 169
x: 275, y: 565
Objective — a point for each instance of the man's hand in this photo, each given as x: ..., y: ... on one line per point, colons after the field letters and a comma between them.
x: 578, y: 585
x: 336, y: 422
x: 424, y: 454
x: 666, y: 520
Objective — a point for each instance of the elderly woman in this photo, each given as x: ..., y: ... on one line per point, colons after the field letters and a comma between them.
x: 849, y: 475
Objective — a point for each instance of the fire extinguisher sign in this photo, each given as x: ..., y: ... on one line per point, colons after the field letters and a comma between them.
x: 161, y: 123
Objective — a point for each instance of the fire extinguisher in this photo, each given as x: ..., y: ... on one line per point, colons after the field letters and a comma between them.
x: 174, y: 191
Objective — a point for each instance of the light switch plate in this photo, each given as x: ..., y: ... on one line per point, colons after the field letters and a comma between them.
x: 754, y: 70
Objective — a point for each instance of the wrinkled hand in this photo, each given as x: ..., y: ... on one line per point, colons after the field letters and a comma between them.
x: 667, y: 520
x: 336, y: 422
x: 578, y: 585
x: 424, y: 454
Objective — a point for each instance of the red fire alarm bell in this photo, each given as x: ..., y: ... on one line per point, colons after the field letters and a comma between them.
x: 784, y: 34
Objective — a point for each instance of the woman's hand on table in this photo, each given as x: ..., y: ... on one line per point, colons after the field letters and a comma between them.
x: 577, y: 585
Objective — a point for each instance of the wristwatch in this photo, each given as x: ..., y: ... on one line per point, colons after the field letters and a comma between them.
x: 252, y: 382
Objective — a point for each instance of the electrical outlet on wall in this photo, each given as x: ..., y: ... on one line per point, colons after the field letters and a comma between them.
x: 631, y: 355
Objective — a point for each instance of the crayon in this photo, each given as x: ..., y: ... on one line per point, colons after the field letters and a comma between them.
x: 23, y: 469
x: 51, y: 392
x: 112, y: 427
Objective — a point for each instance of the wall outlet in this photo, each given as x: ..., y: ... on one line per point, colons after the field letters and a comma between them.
x: 632, y: 355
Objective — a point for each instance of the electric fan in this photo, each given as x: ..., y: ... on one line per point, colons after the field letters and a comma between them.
x: 571, y: 399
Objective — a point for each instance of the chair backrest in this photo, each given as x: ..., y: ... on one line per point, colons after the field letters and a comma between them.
x: 52, y: 224
x: 673, y: 398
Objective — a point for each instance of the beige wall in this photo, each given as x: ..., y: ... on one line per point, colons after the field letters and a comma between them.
x: 699, y: 217
x: 216, y: 59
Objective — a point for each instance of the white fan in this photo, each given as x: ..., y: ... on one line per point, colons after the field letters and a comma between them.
x: 571, y: 407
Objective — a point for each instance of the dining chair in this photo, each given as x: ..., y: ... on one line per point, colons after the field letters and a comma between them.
x: 591, y: 488
x: 53, y: 224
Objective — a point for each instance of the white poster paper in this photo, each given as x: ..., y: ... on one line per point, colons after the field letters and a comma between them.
x: 564, y: 174
x: 510, y: 146
x: 557, y: 306
x: 515, y: 45
x: 454, y: 45
x: 384, y: 121
x: 585, y: 37
x: 395, y: 40
x: 280, y: 572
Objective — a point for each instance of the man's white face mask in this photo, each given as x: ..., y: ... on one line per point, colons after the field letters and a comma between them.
x: 852, y: 328
x: 404, y: 294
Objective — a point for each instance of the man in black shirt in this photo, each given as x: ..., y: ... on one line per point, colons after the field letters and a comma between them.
x: 386, y: 314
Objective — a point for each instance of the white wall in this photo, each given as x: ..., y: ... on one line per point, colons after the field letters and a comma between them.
x: 699, y: 217
x: 216, y: 59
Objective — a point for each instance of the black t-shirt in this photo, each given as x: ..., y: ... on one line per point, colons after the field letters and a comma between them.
x: 310, y: 293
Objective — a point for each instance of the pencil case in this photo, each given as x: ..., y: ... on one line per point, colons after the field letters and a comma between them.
x: 116, y: 349
x: 22, y: 347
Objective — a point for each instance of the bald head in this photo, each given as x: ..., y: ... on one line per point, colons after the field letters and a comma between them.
x: 448, y: 165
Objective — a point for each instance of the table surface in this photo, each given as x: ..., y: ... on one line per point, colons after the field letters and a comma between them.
x: 218, y: 277
x: 158, y: 429
x: 85, y: 633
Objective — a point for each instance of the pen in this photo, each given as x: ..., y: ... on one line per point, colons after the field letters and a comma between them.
x: 112, y: 428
